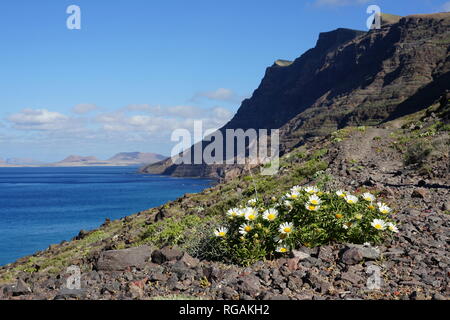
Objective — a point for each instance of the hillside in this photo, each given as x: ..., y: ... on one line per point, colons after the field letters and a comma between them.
x: 136, y: 157
x: 404, y: 162
x: 349, y: 78
x: 78, y: 159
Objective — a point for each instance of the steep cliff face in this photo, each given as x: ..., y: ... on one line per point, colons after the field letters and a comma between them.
x: 349, y: 78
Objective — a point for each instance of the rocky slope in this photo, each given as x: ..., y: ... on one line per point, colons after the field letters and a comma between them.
x: 161, y: 253
x: 349, y: 78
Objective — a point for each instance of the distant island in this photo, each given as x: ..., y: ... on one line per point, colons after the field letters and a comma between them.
x: 120, y: 159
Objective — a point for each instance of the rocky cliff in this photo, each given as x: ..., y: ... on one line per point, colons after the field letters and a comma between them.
x: 349, y: 78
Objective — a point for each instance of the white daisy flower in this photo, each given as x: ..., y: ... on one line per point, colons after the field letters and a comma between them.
x: 245, y: 228
x: 311, y: 190
x: 241, y: 212
x: 282, y: 249
x: 311, y: 207
x: 381, y: 204
x: 293, y: 195
x: 368, y: 197
x: 341, y: 193
x: 392, y: 227
x: 351, y: 199
x: 378, y: 224
x: 296, y: 189
x: 221, y: 232
x: 286, y: 228
x: 252, y: 202
x: 314, y: 200
x: 250, y: 214
x: 270, y: 214
x: 232, y: 213
x: 384, y: 209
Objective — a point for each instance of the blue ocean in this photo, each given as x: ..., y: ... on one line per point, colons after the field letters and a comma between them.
x: 43, y: 206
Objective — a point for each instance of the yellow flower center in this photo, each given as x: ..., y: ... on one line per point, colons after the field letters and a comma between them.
x: 378, y: 226
x: 339, y: 215
x: 248, y: 228
x: 371, y: 207
x: 287, y: 230
x: 271, y: 217
x: 251, y: 217
x: 314, y: 202
x: 359, y: 216
x: 312, y: 208
x: 221, y: 234
x: 283, y: 250
x: 294, y: 196
x: 384, y: 211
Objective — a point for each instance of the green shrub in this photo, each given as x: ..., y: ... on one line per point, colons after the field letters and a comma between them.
x: 309, y: 168
x: 418, y: 152
x: 171, y: 231
x: 302, y: 217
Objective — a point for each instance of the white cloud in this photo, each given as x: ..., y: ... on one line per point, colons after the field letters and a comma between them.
x: 84, y: 108
x: 446, y: 6
x: 162, y: 121
x: 140, y: 126
x: 221, y: 94
x: 336, y: 3
x: 38, y: 119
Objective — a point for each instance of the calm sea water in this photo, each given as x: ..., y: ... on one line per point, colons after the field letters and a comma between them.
x: 43, y: 206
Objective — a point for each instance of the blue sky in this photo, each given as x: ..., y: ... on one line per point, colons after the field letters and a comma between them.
x: 138, y: 69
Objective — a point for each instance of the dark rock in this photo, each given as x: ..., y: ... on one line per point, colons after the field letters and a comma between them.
x: 421, y: 183
x: 160, y: 215
x: 81, y: 235
x: 228, y: 293
x: 189, y: 261
x: 135, y: 291
x: 159, y: 276
x: 275, y: 297
x: 182, y: 270
x: 295, y: 283
x: 20, y: 288
x: 112, y: 288
x: 367, y: 251
x: 352, y: 256
x: 119, y: 260
x: 250, y: 285
x: 166, y: 254
x: 417, y: 296
x: 326, y: 254
x: 212, y: 273
x: 264, y: 274
x: 318, y: 283
x: 352, y: 277
x: 66, y: 294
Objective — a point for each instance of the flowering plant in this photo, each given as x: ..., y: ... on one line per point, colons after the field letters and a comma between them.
x: 303, y: 216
